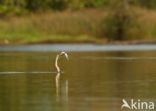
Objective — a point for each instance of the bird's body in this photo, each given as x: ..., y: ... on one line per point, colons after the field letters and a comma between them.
x: 57, y: 58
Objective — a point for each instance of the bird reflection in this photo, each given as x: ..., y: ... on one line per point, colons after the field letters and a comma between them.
x: 61, y: 88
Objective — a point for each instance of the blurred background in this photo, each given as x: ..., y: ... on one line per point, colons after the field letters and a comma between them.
x: 67, y: 21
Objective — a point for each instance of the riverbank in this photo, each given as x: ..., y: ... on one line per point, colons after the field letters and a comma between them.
x: 80, y: 41
x: 82, y: 26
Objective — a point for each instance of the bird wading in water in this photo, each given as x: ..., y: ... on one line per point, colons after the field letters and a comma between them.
x: 57, y: 59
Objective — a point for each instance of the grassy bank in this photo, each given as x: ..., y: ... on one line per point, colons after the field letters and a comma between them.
x: 65, y: 26
x: 68, y: 26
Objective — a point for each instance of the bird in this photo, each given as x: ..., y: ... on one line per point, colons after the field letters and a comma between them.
x: 57, y: 58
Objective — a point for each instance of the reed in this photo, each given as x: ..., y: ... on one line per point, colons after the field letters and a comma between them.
x: 54, y: 26
x: 70, y: 26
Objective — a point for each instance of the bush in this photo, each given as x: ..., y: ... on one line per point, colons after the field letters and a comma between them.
x: 121, y: 23
x: 151, y: 4
x: 58, y: 4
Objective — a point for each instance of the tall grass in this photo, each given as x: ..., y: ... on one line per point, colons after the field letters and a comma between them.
x: 70, y: 26
x: 148, y: 20
x: 52, y: 26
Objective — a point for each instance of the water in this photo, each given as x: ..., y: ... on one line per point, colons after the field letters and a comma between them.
x: 92, y: 80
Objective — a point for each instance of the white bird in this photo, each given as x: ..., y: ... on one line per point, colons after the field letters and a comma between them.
x: 57, y: 58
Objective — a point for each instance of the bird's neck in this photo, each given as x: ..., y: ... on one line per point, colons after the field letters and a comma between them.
x: 56, y: 63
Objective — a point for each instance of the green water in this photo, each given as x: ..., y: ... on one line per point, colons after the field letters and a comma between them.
x: 92, y: 81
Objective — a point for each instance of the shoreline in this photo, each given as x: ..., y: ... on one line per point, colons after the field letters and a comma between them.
x: 96, y: 41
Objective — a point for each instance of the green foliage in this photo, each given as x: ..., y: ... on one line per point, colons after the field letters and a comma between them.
x: 151, y: 4
x: 41, y: 5
x: 95, y: 3
x: 58, y: 4
x: 34, y: 5
x: 79, y: 4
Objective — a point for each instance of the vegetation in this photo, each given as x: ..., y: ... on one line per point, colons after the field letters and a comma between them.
x: 38, y: 5
x: 34, y: 21
x: 65, y: 26
x: 121, y: 23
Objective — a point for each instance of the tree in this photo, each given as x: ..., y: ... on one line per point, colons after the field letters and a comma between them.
x: 59, y: 4
x: 121, y: 22
x: 147, y: 3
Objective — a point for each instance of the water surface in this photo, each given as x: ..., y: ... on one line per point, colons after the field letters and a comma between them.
x: 92, y: 80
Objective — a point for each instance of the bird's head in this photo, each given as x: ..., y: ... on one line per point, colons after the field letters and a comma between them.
x: 66, y: 55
